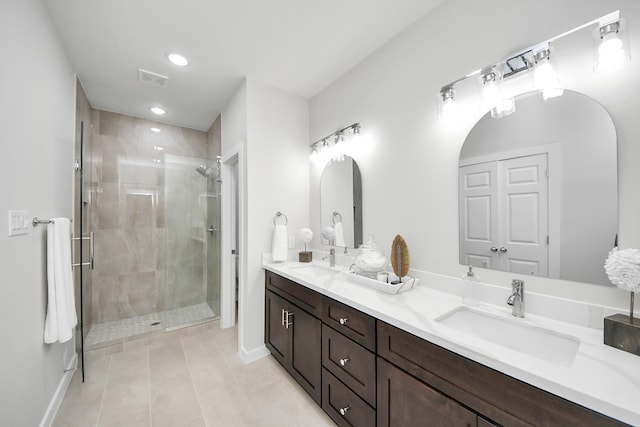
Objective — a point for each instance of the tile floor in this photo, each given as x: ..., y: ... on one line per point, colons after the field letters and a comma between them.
x: 118, y: 331
x: 191, y: 377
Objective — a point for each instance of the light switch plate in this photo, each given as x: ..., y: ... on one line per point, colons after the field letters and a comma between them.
x: 19, y: 222
x: 292, y: 242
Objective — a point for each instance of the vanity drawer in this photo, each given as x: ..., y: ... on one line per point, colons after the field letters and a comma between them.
x: 353, y: 364
x: 350, y: 322
x: 499, y: 397
x: 343, y: 405
x: 301, y: 296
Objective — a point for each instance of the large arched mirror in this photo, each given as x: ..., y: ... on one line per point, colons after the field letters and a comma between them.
x: 538, y: 190
x: 341, y: 202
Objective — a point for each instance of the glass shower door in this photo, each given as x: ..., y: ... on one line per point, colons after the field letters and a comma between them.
x: 188, y: 241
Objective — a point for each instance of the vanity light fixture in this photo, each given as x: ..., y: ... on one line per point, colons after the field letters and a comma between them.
x: 545, y: 76
x: 611, y: 53
x: 334, y: 146
x: 493, y: 97
x: 156, y: 130
x: 447, y: 109
x: 158, y: 110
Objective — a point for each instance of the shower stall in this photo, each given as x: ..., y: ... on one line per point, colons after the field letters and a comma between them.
x: 152, y: 200
x: 192, y: 227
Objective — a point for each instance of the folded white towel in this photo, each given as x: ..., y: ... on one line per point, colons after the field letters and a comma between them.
x: 61, y: 308
x: 280, y: 243
x: 338, y: 229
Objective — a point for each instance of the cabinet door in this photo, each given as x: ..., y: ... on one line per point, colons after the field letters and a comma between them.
x: 405, y: 401
x: 276, y: 335
x: 306, y: 352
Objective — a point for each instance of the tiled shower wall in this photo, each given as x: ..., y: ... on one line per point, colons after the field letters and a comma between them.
x: 128, y: 215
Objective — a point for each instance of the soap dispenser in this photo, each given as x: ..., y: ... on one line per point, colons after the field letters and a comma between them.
x: 470, y: 279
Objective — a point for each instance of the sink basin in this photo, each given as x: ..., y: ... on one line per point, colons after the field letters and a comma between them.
x: 514, y: 334
x: 315, y: 270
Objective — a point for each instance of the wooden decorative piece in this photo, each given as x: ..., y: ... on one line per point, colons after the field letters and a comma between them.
x: 400, y: 256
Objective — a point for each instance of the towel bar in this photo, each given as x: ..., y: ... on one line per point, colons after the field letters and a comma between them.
x: 278, y: 215
x: 35, y: 221
x: 335, y: 215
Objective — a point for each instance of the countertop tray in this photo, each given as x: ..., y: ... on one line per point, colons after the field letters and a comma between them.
x: 407, y: 283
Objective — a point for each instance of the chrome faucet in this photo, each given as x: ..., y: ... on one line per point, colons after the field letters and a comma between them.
x: 516, y: 300
x: 331, y: 256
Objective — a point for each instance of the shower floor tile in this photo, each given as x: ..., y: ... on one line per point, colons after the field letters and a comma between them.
x: 118, y: 331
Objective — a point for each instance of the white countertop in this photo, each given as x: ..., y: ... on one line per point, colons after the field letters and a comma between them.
x: 600, y: 377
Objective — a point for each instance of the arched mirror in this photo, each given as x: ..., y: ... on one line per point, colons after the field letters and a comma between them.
x: 538, y: 190
x: 341, y: 202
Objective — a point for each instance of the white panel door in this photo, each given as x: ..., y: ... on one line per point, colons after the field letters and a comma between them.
x: 523, y: 204
x: 479, y: 215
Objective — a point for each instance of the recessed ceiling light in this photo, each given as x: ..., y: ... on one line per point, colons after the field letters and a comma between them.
x: 177, y: 59
x: 156, y: 130
x: 157, y: 110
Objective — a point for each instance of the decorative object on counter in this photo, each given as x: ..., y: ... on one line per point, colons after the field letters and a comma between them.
x: 370, y: 261
x: 401, y: 285
x: 280, y: 242
x: 305, y: 235
x: 623, y: 270
x: 470, y: 279
x: 329, y: 234
x: 400, y: 258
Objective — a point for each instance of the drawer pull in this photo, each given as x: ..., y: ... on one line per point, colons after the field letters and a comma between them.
x: 344, y: 361
x: 343, y: 411
x: 343, y: 320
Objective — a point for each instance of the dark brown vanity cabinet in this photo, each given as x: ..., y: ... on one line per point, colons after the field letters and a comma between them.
x: 365, y: 372
x: 405, y: 401
x: 448, y: 383
x: 348, y: 365
x: 292, y: 334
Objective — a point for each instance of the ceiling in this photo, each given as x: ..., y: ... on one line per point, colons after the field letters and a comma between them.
x: 299, y: 46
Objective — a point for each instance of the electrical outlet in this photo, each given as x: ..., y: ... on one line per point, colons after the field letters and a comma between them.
x: 19, y: 223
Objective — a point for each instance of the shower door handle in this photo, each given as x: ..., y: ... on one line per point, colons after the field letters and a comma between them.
x: 211, y: 229
x: 91, y: 251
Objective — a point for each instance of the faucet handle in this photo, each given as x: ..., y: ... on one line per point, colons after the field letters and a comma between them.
x: 517, y: 284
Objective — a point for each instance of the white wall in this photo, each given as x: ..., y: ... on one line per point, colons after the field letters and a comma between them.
x: 37, y: 111
x: 411, y: 158
x: 275, y: 148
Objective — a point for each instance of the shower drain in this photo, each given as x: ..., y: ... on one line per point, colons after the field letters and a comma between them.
x: 155, y: 323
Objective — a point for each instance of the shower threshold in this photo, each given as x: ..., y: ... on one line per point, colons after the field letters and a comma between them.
x: 118, y: 331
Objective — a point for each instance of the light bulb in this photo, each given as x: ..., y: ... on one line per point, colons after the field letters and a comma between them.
x: 546, y: 80
x: 491, y: 94
x: 611, y: 55
x: 449, y: 110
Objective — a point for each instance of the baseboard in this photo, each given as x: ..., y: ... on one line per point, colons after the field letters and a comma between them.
x: 56, y: 400
x: 253, y: 355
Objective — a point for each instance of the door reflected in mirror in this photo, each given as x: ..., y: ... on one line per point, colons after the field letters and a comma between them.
x: 538, y: 190
x: 341, y: 202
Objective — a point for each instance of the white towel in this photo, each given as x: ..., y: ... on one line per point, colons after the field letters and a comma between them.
x: 280, y: 244
x: 339, y: 234
x: 61, y: 308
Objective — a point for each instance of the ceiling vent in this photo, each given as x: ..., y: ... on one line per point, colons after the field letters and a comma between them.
x: 151, y: 78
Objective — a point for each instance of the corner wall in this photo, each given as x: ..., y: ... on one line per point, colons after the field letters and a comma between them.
x: 409, y: 166
x: 37, y: 115
x: 275, y: 139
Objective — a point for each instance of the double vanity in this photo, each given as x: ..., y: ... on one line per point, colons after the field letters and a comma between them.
x: 422, y: 357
